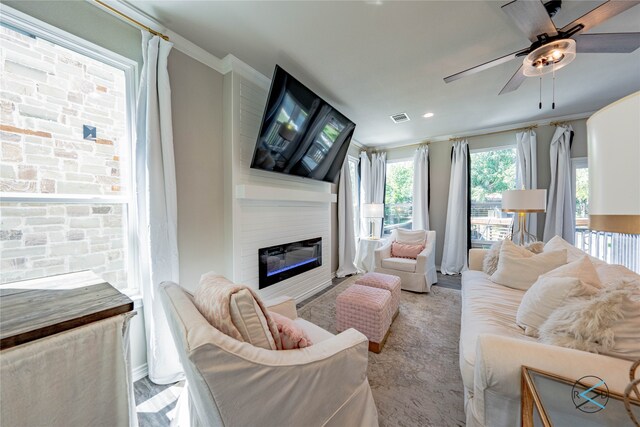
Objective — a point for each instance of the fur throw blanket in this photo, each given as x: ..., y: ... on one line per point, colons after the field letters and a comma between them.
x: 607, y: 323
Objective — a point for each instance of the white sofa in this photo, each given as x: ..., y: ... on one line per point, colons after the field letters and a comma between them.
x: 493, y: 349
x: 416, y: 275
x: 232, y: 383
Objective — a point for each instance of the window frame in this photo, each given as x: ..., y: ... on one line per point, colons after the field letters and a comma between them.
x: 399, y: 160
x: 27, y: 24
x: 577, y: 163
x: 486, y: 243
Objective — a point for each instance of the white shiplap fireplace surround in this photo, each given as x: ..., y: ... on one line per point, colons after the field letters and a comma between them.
x: 263, y: 208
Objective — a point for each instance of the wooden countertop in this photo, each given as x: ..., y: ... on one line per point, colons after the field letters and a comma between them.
x: 34, y: 309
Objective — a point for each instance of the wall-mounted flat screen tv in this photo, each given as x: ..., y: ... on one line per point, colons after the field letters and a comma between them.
x: 301, y: 134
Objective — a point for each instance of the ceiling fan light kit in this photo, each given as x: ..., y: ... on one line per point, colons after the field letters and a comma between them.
x: 553, y: 48
x: 549, y: 57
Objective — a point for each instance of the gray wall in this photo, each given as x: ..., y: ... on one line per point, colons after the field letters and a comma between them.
x: 196, y: 97
x: 440, y: 158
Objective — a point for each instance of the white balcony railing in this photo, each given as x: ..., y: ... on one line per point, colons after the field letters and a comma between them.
x: 614, y: 248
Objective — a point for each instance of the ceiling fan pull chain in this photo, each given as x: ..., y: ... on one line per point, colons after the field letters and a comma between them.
x: 540, y: 103
x: 553, y: 90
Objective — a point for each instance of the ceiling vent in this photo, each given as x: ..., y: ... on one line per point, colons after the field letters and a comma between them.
x: 399, y: 118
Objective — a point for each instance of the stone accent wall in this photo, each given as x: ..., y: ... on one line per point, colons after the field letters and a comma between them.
x: 40, y: 240
x: 48, y: 95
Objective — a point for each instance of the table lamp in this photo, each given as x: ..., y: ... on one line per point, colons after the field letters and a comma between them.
x: 372, y: 211
x: 523, y: 202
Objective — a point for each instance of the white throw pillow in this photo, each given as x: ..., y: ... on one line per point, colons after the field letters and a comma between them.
x: 609, y: 273
x: 490, y: 260
x: 411, y: 237
x: 521, y: 272
x: 558, y: 243
x: 607, y: 323
x: 581, y: 269
x: 547, y: 294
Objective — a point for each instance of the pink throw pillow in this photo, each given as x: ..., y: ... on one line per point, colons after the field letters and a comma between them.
x: 292, y: 336
x: 402, y: 250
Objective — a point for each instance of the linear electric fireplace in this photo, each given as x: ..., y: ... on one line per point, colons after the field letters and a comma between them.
x: 278, y: 263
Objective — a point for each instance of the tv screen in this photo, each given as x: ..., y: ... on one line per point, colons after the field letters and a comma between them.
x: 301, y: 134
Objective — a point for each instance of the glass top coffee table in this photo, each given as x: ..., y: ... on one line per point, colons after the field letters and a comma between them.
x: 551, y: 400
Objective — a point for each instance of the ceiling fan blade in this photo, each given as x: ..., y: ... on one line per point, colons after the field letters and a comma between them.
x: 607, y: 42
x: 514, y: 82
x: 485, y: 66
x: 600, y: 14
x: 531, y: 17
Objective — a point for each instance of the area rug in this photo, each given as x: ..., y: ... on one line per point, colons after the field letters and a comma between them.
x: 416, y: 378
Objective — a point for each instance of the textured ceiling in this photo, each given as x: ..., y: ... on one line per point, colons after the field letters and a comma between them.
x: 373, y: 59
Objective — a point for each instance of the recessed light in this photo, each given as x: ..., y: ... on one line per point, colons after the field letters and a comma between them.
x: 427, y: 115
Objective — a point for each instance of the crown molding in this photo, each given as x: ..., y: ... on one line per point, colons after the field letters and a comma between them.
x: 484, y: 131
x: 195, y: 51
x: 232, y: 63
x: 223, y: 66
x: 358, y: 144
x: 182, y: 44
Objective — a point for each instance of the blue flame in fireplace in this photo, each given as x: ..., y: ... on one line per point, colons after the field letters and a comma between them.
x: 289, y: 267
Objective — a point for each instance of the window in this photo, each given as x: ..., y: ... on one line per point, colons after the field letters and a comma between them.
x: 580, y: 187
x: 492, y: 172
x: 398, y: 197
x: 66, y: 170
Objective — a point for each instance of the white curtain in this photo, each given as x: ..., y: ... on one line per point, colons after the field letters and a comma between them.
x: 421, y: 188
x: 346, y: 232
x: 378, y: 172
x: 526, y: 176
x: 378, y: 176
x: 456, y: 235
x: 365, y: 190
x: 157, y: 205
x: 560, y: 219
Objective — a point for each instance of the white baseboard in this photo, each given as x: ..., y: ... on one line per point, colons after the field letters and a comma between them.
x: 140, y: 372
x: 313, y: 291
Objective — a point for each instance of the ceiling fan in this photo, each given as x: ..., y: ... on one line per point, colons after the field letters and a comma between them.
x: 552, y: 48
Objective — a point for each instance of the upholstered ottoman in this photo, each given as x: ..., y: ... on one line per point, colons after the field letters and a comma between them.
x: 384, y: 281
x: 366, y: 309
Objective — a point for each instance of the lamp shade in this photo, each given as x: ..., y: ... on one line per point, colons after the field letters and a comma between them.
x: 614, y: 173
x: 524, y: 201
x: 373, y: 210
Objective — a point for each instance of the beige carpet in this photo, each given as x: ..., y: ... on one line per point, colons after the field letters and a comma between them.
x: 415, y: 379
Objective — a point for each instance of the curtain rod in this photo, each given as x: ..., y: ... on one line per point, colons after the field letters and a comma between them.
x: 386, y: 149
x: 493, y: 133
x: 128, y: 18
x: 558, y: 123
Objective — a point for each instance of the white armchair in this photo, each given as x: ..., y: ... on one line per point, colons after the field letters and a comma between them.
x: 232, y: 383
x: 417, y: 275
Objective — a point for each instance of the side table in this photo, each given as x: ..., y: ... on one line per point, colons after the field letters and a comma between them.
x: 551, y: 400
x: 365, y: 259
x: 64, y: 352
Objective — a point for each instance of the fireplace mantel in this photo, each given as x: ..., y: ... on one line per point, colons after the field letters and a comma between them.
x: 261, y: 192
